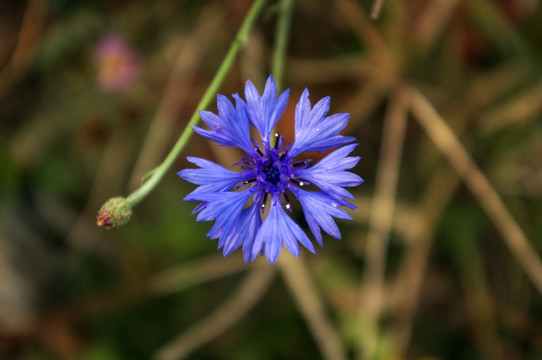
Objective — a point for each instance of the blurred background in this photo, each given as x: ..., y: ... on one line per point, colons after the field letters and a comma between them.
x: 440, y: 262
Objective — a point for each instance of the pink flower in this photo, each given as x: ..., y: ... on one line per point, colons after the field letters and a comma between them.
x: 118, y: 65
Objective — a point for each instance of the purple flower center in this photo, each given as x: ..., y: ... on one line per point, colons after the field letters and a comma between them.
x: 272, y: 172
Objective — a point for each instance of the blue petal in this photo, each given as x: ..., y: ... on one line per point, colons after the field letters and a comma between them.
x: 211, y: 188
x: 224, y: 207
x: 330, y: 176
x: 226, y: 110
x: 243, y: 233
x: 265, y: 111
x: 230, y: 127
x: 278, y: 229
x: 278, y: 109
x: 209, y: 173
x: 211, y: 176
x: 319, y: 210
x: 199, y: 207
x: 313, y: 130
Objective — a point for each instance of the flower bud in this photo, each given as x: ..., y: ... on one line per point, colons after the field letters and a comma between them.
x: 115, y: 212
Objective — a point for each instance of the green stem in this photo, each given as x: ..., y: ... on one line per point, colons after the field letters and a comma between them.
x: 238, y: 42
x: 281, y: 40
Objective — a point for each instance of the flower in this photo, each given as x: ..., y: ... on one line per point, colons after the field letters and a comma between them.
x: 117, y: 64
x: 270, y: 170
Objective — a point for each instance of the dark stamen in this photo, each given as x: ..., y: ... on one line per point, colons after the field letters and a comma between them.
x: 301, y: 163
x: 264, y: 201
x: 277, y: 140
x: 288, y: 204
x: 245, y: 163
x: 299, y: 182
x: 246, y: 182
x: 257, y: 149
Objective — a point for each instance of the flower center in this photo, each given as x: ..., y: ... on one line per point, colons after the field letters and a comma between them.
x: 272, y: 172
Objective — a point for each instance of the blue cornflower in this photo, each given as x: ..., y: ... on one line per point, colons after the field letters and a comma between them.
x: 236, y: 200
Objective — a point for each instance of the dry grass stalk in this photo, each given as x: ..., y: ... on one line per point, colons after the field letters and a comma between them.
x: 311, y: 306
x: 489, y: 199
x: 380, y: 223
x: 226, y: 315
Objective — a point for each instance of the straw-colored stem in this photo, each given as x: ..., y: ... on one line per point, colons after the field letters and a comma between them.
x: 377, y: 7
x: 489, y: 199
x: 311, y: 307
x: 231, y: 310
x: 380, y: 224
